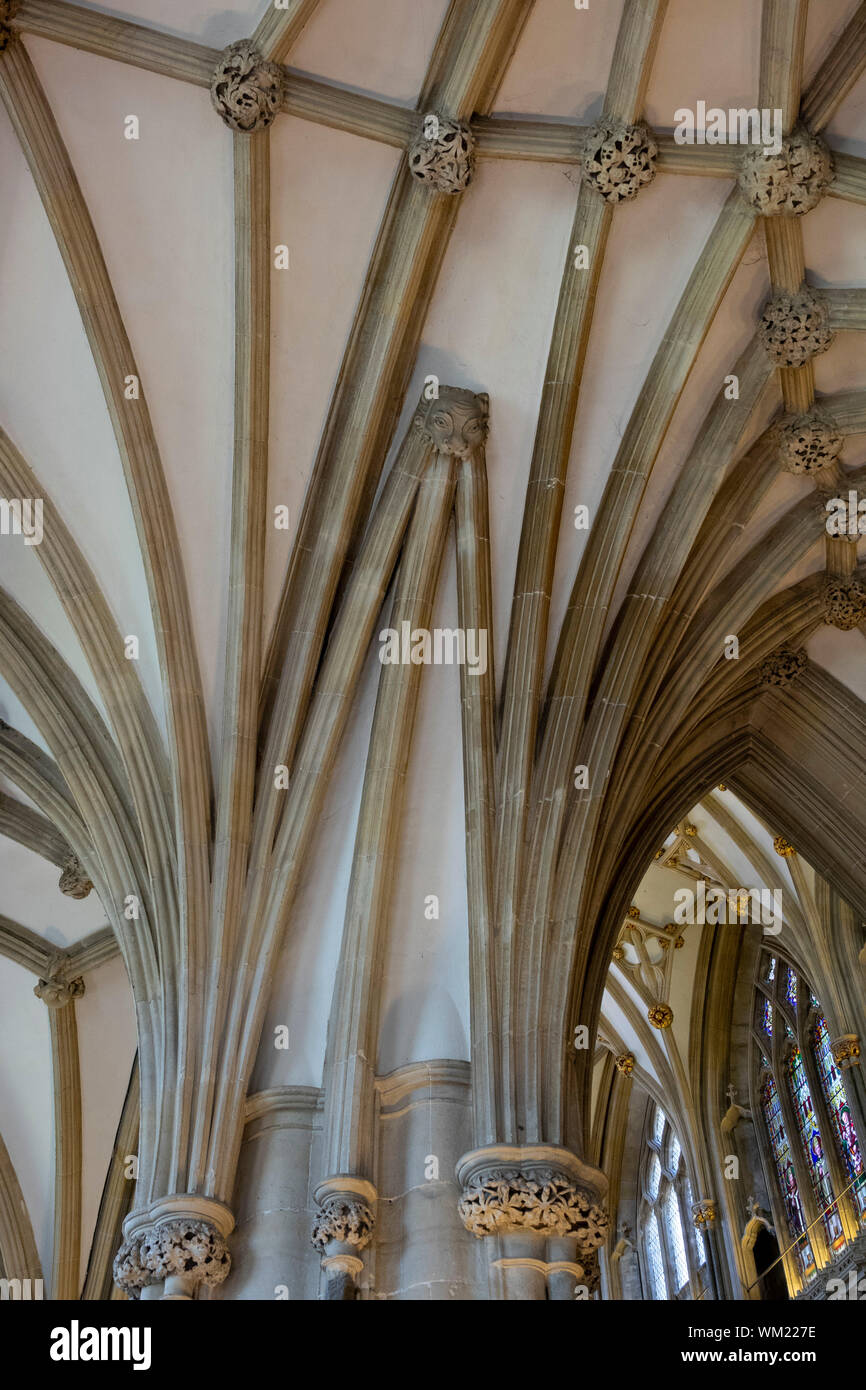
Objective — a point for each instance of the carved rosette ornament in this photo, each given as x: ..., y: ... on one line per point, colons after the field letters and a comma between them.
x: 618, y: 953
x: 846, y: 1051
x: 704, y: 1214
x: 247, y: 90
x: 625, y: 1064
x: 783, y: 847
x: 794, y: 328
x: 844, y: 603
x: 56, y: 994
x: 809, y: 442
x: 443, y: 155
x: 618, y: 159
x: 73, y: 880
x: 661, y: 1015
x: 346, y: 1219
x: 790, y: 183
x: 455, y: 422
x: 782, y: 666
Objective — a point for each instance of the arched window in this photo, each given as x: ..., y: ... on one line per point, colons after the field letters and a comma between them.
x: 836, y: 1100
x: 813, y: 1147
x: 796, y: 1076
x: 672, y: 1251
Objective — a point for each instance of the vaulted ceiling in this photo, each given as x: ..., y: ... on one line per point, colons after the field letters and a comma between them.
x: 677, y: 283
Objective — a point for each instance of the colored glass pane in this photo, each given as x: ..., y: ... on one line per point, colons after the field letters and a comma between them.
x: 791, y: 988
x: 813, y: 1147
x: 836, y: 1098
x: 767, y: 1017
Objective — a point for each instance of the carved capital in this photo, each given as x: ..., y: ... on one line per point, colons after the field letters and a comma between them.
x: 625, y: 1063
x: 246, y: 89
x: 783, y: 666
x: 536, y: 1188
x: 809, y: 442
x: 783, y: 847
x: 618, y: 159
x: 179, y: 1239
x: 73, y: 880
x: 129, y: 1274
x: 443, y: 155
x: 844, y: 603
x: 846, y: 1051
x: 455, y: 421
x: 794, y: 328
x: 348, y: 1220
x: 193, y: 1249
x: 704, y: 1214
x: 661, y: 1015
x: 791, y: 182
x: 57, y: 993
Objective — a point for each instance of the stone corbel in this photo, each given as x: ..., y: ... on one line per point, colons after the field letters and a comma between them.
x: 343, y: 1228
x: 173, y: 1247
x: 56, y: 992
x: 846, y: 1051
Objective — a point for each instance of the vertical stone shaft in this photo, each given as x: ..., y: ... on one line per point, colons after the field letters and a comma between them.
x: 478, y: 694
x: 351, y: 1060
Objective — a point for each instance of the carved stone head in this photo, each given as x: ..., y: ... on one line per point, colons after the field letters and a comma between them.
x: 455, y: 421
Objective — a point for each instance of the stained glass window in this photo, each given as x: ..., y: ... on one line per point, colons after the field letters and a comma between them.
x: 785, y: 1171
x: 813, y: 1145
x: 676, y: 1240
x: 844, y: 1132
x: 791, y: 988
x: 767, y: 1017
x: 655, y: 1262
x: 771, y: 973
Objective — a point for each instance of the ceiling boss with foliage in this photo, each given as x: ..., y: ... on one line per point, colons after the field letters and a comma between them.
x: 369, y: 977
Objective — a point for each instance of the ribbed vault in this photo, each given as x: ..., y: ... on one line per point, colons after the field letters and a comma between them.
x: 702, y: 627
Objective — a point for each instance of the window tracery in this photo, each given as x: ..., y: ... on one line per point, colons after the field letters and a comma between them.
x: 673, y: 1251
x: 808, y: 1124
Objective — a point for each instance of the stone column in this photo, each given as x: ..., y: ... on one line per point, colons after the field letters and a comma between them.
x: 705, y: 1219
x: 542, y: 1207
x: 59, y: 996
x: 173, y: 1247
x: 342, y: 1230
